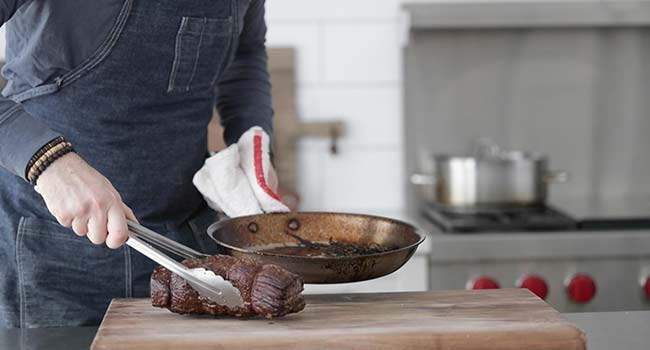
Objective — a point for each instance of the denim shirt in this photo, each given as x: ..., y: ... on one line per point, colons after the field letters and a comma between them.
x: 47, y: 38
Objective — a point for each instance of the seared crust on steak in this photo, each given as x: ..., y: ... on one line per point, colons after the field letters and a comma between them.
x: 267, y: 290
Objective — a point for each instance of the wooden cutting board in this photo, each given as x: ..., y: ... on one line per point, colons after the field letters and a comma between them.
x: 488, y: 319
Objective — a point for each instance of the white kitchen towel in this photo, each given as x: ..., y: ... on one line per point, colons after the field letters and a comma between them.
x: 235, y: 179
x: 254, y: 147
x: 224, y: 185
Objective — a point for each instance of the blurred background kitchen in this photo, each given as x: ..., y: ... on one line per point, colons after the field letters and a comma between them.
x: 369, y: 94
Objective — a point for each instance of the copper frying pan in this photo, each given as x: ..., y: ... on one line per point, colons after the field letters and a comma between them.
x: 244, y: 236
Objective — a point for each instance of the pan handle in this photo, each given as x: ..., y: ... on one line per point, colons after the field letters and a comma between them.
x: 423, y: 179
x: 557, y: 176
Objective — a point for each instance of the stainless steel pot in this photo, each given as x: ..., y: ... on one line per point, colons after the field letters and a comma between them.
x: 509, y: 178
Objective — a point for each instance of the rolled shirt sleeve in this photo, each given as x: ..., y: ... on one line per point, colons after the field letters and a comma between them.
x: 244, y: 92
x: 21, y: 135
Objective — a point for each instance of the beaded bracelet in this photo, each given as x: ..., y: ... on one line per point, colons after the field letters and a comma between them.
x: 48, y: 157
x: 39, y: 162
x: 40, y: 153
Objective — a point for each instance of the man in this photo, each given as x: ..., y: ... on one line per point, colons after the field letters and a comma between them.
x: 104, y: 119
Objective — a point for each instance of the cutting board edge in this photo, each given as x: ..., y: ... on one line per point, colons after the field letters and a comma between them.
x: 572, y: 336
x: 387, y: 340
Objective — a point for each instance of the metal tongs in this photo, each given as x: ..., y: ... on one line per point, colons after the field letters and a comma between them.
x: 207, y: 283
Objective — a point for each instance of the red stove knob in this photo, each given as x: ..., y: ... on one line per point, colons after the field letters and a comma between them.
x: 646, y: 288
x: 483, y: 282
x: 535, y: 284
x: 581, y: 288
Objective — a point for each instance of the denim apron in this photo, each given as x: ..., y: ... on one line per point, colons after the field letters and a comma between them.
x: 137, y: 111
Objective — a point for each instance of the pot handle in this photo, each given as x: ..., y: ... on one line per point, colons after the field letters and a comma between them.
x: 423, y: 179
x: 557, y: 176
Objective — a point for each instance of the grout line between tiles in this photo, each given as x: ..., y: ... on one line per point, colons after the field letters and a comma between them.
x: 346, y: 21
x: 350, y: 84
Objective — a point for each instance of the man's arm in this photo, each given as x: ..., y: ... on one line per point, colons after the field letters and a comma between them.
x: 75, y: 193
x: 21, y: 135
x: 244, y: 92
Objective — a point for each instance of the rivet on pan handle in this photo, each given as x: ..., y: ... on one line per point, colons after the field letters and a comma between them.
x: 253, y: 227
x: 294, y: 224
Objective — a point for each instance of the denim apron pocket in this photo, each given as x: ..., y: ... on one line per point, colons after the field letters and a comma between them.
x: 64, y: 280
x: 202, y: 46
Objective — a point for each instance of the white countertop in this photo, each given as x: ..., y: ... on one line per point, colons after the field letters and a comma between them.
x: 624, y: 330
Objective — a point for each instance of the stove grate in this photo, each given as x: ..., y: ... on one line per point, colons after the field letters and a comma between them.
x: 533, y: 219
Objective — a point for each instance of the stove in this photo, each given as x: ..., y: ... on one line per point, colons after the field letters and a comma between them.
x: 576, y: 259
x: 511, y: 219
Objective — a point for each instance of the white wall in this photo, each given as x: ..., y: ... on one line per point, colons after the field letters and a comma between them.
x: 2, y: 42
x: 348, y: 56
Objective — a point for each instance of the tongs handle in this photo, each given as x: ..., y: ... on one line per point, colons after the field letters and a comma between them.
x: 154, y: 254
x: 163, y: 242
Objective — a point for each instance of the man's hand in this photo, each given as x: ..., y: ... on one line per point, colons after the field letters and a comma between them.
x: 80, y: 197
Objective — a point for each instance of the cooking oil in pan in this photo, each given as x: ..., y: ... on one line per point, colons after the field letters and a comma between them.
x: 322, y: 249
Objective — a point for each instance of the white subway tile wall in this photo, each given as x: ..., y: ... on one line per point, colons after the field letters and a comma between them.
x: 311, y: 177
x: 331, y: 10
x: 303, y: 35
x: 372, y: 114
x: 363, y: 178
x: 348, y: 58
x: 361, y: 52
x: 2, y: 43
